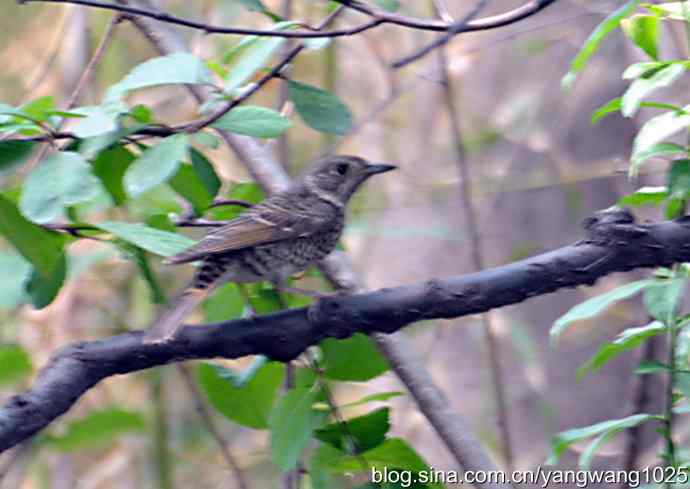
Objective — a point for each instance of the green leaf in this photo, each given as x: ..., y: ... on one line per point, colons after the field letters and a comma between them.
x: 643, y: 30
x: 247, y: 401
x: 679, y: 178
x: 636, y: 70
x: 110, y: 166
x: 156, y: 164
x: 368, y: 431
x: 39, y: 108
x: 651, y: 367
x: 14, y: 273
x: 255, y: 56
x: 253, y: 5
x: 205, y: 171
x: 61, y: 180
x: 15, y: 363
x: 663, y: 298
x: 174, y: 68
x: 14, y: 153
x: 319, y: 109
x: 320, y: 463
x: 206, y: 139
x: 378, y: 397
x: 187, y: 183
x: 566, y: 438
x: 670, y: 10
x: 249, y: 192
x: 257, y: 6
x: 264, y: 298
x: 292, y: 422
x: 627, y: 340
x: 352, y: 359
x: 254, y: 121
x: 142, y: 113
x: 645, y: 196
x: 591, y: 450
x: 43, y: 248
x: 394, y: 453
x: 162, y: 222
x: 154, y: 240
x: 596, y: 305
x: 675, y: 207
x: 42, y: 288
x: 197, y: 183
x: 659, y: 149
x: 654, y: 131
x: 591, y: 45
x: 640, y: 88
x: 96, y: 429
x: 138, y: 256
x: 609, y: 107
x: 98, y: 120
x: 225, y: 303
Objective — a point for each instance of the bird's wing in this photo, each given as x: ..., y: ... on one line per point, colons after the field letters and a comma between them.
x: 267, y: 222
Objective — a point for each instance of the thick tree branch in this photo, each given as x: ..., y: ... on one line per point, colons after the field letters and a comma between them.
x: 614, y: 243
x: 377, y: 17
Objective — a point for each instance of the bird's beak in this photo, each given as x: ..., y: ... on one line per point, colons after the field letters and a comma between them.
x: 379, y: 168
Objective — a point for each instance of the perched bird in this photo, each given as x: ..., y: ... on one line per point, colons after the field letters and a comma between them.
x: 273, y: 240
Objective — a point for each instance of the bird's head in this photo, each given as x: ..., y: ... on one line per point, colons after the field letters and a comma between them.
x: 338, y: 177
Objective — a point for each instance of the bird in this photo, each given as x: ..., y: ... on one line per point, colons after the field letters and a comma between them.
x: 273, y: 240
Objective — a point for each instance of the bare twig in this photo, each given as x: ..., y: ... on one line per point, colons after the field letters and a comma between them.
x: 377, y: 18
x: 453, y: 30
x: 207, y: 419
x: 45, y: 67
x: 96, y: 59
x: 84, y: 80
x: 470, y: 217
x: 283, y: 93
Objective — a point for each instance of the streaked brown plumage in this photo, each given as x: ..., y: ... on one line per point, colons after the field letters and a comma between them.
x: 273, y: 240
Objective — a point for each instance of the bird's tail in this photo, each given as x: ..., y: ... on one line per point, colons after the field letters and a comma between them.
x: 170, y: 320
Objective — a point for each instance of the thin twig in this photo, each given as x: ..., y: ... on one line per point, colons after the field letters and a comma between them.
x: 84, y: 80
x: 470, y: 217
x: 453, y: 30
x: 45, y: 67
x: 207, y: 419
x: 96, y: 59
x: 377, y: 18
x: 283, y: 92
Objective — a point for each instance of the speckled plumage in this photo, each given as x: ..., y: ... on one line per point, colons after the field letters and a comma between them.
x: 273, y: 240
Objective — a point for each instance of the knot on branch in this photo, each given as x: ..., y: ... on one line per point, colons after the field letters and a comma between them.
x: 612, y: 227
x: 330, y: 313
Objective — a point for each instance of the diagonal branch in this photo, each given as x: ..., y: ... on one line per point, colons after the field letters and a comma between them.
x: 613, y: 243
x: 453, y: 30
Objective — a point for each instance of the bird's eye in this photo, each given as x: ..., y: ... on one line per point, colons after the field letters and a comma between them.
x: 341, y: 168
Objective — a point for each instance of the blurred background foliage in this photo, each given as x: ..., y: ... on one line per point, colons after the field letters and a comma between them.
x: 538, y: 167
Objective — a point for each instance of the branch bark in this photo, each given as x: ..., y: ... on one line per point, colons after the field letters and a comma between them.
x: 613, y: 243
